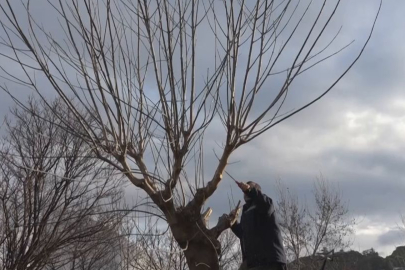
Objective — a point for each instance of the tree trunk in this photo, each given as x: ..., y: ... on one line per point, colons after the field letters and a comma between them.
x: 201, y: 255
x: 200, y: 245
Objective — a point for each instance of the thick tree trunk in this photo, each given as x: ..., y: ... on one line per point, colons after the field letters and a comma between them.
x: 201, y: 255
x: 200, y: 245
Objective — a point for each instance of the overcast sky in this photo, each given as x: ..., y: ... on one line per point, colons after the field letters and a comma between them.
x: 355, y: 136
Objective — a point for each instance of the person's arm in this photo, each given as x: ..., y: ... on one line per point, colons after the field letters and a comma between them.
x: 260, y: 199
x: 237, y: 229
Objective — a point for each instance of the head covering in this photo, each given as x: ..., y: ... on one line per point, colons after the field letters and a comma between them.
x: 255, y: 185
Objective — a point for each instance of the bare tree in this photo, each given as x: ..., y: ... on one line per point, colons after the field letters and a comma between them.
x: 308, y: 230
x: 330, y: 218
x: 230, y: 257
x: 155, y: 75
x: 54, y: 193
x: 294, y: 221
x: 100, y: 250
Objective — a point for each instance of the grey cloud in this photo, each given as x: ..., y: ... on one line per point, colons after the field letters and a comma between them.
x: 392, y: 237
x: 371, y: 181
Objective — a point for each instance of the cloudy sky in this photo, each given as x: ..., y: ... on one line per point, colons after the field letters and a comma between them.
x: 354, y: 137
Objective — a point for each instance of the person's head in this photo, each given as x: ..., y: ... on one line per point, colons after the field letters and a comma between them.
x: 254, y: 185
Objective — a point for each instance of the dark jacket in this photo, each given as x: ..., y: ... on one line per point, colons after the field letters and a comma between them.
x: 259, y: 232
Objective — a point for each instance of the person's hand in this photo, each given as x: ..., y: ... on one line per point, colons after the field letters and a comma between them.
x: 243, y: 186
x: 233, y: 216
x: 233, y: 212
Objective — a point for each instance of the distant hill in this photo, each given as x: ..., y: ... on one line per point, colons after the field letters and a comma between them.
x: 397, y: 258
x: 353, y: 260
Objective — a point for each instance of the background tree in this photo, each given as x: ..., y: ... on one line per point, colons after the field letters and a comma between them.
x: 295, y: 223
x: 154, y: 76
x: 330, y: 219
x: 54, y: 194
x: 319, y: 228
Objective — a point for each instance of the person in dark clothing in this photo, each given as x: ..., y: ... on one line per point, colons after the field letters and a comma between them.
x: 259, y: 232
